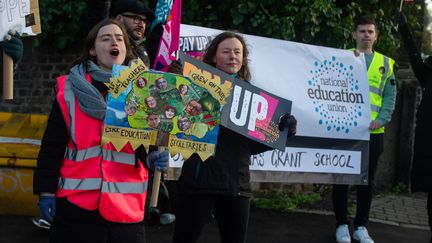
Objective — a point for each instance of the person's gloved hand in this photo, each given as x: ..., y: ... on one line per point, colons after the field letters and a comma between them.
x: 175, y: 67
x: 374, y: 125
x: 159, y: 161
x: 400, y: 19
x: 47, y: 206
x: 13, y: 46
x: 288, y: 121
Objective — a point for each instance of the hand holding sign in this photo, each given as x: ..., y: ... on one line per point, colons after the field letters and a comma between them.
x: 12, y: 45
x: 16, y: 17
x: 158, y: 161
x: 12, y: 53
x: 288, y: 121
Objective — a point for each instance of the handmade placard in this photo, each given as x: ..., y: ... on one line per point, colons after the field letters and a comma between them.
x: 142, y: 103
x: 249, y: 111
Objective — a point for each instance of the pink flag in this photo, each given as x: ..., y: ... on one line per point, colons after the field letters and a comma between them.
x: 170, y: 40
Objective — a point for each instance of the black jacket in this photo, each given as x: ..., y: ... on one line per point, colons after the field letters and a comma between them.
x: 226, y: 173
x: 421, y: 176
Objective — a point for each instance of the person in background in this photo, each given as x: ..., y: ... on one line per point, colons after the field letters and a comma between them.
x: 421, y: 174
x: 382, y: 98
x: 221, y: 184
x: 88, y: 191
x: 136, y: 17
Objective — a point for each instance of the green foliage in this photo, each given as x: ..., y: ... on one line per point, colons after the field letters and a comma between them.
x: 399, y: 188
x: 352, y: 208
x: 318, y: 22
x: 285, y: 201
x: 61, y: 22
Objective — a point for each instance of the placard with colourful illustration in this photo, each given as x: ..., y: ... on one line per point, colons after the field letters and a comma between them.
x: 143, y: 102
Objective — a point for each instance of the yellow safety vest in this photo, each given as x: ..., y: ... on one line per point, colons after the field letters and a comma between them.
x: 379, y: 72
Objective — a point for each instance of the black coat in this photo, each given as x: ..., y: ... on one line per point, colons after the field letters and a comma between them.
x: 226, y: 173
x: 421, y: 174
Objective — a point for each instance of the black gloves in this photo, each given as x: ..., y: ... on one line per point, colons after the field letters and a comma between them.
x: 13, y: 46
x: 175, y: 67
x: 288, y: 121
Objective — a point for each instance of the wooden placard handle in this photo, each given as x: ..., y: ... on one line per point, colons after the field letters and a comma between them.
x: 7, y: 77
x: 156, y: 183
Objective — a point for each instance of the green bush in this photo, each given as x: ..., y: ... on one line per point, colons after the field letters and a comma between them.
x: 285, y: 201
x: 399, y: 188
x: 318, y: 22
x: 61, y: 22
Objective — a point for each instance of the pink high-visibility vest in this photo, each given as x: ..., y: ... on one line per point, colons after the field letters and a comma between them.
x: 94, y: 176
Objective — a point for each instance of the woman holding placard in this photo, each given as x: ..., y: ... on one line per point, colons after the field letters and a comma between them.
x: 219, y: 186
x: 101, y: 193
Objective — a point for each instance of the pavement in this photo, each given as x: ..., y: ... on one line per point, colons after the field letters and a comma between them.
x: 394, y: 219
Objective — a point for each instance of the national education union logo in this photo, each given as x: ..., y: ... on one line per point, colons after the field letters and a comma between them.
x: 335, y: 95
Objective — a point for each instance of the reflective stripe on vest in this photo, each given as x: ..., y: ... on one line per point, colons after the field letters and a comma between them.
x: 124, y: 187
x: 377, y: 79
x: 109, y: 155
x: 118, y: 157
x: 70, y: 102
x: 107, y: 187
x: 80, y: 184
x: 83, y: 154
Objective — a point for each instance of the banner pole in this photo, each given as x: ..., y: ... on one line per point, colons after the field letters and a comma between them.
x: 162, y: 143
x: 400, y: 11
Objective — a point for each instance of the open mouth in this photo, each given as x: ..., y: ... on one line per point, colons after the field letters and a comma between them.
x: 115, y: 52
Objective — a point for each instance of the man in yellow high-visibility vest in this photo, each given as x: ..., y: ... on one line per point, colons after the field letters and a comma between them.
x: 382, y: 98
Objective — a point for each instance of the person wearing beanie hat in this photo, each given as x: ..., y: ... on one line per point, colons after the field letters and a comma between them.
x: 145, y: 44
x: 136, y: 16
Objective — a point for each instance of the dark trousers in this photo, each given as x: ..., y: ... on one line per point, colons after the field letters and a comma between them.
x: 73, y: 224
x: 193, y: 212
x: 364, y: 192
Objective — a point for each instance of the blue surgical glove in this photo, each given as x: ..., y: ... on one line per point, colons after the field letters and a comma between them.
x: 47, y: 207
x: 159, y: 161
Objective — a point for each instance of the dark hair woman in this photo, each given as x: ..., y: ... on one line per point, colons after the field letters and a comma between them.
x: 89, y: 191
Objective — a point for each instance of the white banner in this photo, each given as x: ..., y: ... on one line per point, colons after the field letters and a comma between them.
x: 330, y: 95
